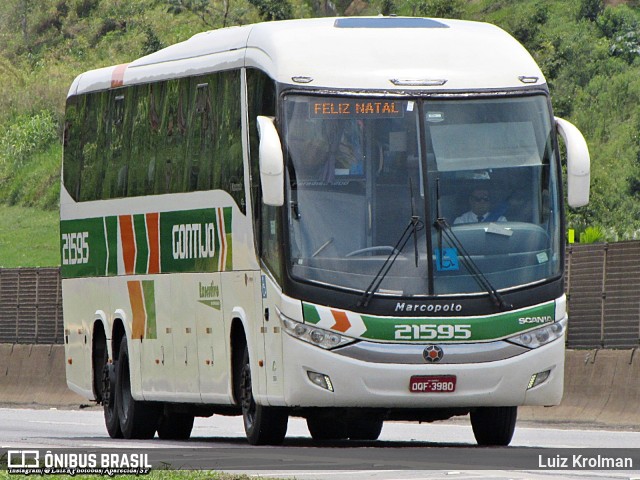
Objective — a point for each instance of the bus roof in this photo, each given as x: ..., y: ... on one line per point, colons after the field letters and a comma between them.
x: 357, y: 53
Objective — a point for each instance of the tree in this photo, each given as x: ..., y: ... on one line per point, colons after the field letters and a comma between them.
x: 273, y: 9
x: 213, y: 13
x: 590, y: 9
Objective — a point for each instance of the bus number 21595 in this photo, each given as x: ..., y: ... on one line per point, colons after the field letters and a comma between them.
x: 432, y: 332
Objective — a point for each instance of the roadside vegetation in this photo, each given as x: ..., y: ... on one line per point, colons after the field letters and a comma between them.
x: 589, y: 51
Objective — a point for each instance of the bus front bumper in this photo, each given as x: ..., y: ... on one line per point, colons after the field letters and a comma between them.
x: 357, y: 383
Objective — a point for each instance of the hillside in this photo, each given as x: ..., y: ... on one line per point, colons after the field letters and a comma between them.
x: 589, y: 51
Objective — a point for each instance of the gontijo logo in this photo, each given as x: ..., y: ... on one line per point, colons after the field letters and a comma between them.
x: 148, y: 243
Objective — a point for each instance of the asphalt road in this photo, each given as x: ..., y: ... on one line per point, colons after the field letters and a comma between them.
x: 443, y: 450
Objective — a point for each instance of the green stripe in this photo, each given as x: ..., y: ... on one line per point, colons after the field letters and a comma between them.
x: 310, y: 313
x: 189, y: 242
x: 487, y: 328
x: 83, y: 251
x: 112, y: 244
x: 454, y: 329
x: 150, y: 306
x: 142, y: 249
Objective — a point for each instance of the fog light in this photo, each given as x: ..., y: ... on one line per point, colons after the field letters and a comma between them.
x: 321, y: 380
x: 538, y: 378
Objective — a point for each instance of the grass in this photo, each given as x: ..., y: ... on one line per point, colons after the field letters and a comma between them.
x: 29, y: 237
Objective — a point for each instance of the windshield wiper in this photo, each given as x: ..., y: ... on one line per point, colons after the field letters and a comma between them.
x: 444, y: 228
x: 415, y: 224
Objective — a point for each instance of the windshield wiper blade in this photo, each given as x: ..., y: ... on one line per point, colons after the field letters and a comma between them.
x: 415, y: 224
x: 497, y: 299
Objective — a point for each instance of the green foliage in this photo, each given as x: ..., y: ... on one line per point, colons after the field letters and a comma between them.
x: 25, y: 136
x: 592, y: 235
x: 429, y: 8
x: 590, y: 9
x: 273, y: 9
x: 213, y: 13
x: 29, y: 237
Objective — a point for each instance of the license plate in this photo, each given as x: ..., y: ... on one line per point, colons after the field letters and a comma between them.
x: 432, y: 384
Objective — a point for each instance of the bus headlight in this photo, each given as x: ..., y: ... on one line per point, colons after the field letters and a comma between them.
x: 541, y: 336
x: 314, y: 335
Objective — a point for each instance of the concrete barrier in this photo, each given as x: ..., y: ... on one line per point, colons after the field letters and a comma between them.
x: 602, y: 387
x: 34, y: 375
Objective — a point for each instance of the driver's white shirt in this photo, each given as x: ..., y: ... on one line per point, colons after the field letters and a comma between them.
x: 470, y: 217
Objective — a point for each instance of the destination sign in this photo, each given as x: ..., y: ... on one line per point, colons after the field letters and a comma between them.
x: 349, y: 108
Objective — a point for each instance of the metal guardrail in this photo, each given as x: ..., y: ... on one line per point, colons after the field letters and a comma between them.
x: 603, y: 289
x: 602, y: 285
x: 30, y: 306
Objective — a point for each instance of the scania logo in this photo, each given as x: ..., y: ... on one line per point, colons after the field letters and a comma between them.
x: 433, y: 354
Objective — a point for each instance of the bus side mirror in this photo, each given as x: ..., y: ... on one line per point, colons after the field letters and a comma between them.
x: 271, y: 163
x: 578, y: 163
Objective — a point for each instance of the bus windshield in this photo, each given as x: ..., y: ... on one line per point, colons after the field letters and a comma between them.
x: 433, y: 186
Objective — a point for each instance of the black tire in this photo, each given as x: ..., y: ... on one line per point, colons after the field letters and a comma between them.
x: 363, y: 428
x: 323, y: 428
x: 137, y: 419
x: 263, y: 425
x: 99, y: 358
x: 175, y: 426
x: 111, y: 419
x: 494, y: 426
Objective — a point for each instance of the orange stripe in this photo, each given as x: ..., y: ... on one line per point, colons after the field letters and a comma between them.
x: 128, y: 243
x: 117, y: 76
x: 153, y: 233
x: 137, y: 309
x: 342, y: 322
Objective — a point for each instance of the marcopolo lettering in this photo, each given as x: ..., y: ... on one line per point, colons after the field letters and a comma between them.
x: 427, y: 307
x: 193, y: 240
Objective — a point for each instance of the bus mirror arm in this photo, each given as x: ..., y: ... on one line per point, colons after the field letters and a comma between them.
x: 578, y: 163
x: 271, y: 163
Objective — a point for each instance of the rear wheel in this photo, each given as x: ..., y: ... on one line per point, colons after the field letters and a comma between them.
x: 111, y: 419
x: 494, y: 425
x: 263, y: 425
x: 137, y: 419
x: 175, y: 426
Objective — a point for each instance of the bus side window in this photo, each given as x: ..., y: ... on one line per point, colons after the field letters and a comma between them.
x: 227, y: 148
x: 115, y: 179
x: 201, y: 137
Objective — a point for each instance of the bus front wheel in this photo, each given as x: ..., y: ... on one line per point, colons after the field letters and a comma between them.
x: 263, y: 425
x: 494, y: 426
x: 137, y: 419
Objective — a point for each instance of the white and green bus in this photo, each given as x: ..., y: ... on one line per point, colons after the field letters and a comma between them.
x: 273, y: 220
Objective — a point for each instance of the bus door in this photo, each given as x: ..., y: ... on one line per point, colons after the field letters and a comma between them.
x: 272, y: 337
x: 183, y: 301
x: 211, y: 340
